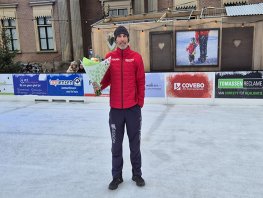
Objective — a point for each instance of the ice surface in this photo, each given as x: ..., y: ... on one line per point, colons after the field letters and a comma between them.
x: 53, y: 150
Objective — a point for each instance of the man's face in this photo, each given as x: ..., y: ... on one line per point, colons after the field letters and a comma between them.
x: 122, y: 41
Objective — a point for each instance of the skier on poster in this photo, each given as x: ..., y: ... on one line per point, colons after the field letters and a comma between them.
x: 191, y: 50
x: 201, y: 37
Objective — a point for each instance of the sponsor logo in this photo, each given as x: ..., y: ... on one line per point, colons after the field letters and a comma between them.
x: 189, y: 86
x: 115, y: 59
x: 153, y: 86
x: 240, y: 83
x: 233, y: 83
x: 129, y: 60
x: 57, y: 82
x: 253, y: 83
x: 77, y: 82
x: 177, y: 86
x: 54, y: 82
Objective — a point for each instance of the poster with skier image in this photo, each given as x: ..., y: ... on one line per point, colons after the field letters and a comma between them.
x: 197, y: 47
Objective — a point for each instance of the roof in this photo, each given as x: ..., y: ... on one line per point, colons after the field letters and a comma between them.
x: 149, y: 17
x: 244, y: 10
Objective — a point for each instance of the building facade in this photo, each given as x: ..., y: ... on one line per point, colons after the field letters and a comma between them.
x: 34, y: 34
x: 228, y: 42
x: 148, y: 6
x: 55, y: 32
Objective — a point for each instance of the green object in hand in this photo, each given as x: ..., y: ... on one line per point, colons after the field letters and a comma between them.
x: 95, y: 72
x: 98, y: 92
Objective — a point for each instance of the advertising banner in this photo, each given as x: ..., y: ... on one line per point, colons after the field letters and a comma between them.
x: 189, y: 85
x: 30, y: 84
x: 6, y: 84
x: 155, y: 85
x: 65, y: 85
x: 239, y: 85
x: 88, y: 88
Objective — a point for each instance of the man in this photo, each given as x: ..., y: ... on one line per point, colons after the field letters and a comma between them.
x: 201, y: 37
x: 126, y: 78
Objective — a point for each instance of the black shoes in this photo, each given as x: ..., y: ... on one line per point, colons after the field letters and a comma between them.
x: 115, y: 183
x: 139, y: 180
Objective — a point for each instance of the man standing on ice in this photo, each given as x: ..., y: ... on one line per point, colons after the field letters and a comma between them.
x: 126, y: 78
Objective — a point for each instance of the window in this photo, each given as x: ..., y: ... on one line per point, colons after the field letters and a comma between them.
x: 9, y: 27
x: 117, y: 8
x: 122, y: 12
x: 45, y: 33
x: 113, y: 12
x: 44, y: 27
x: 118, y: 12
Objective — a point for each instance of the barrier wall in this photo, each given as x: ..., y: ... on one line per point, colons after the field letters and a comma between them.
x: 167, y: 88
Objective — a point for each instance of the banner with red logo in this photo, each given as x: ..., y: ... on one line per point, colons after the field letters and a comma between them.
x: 190, y: 85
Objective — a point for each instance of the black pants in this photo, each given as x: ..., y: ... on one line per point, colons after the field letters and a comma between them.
x: 118, y: 118
x: 191, y: 57
x: 203, y: 47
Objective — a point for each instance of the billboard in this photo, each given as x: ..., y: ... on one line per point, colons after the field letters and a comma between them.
x: 65, y: 85
x: 197, y: 47
x: 6, y: 84
x: 155, y: 85
x: 239, y: 85
x: 30, y: 84
x: 189, y: 85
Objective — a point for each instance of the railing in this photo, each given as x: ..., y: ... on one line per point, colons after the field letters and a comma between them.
x: 211, y: 12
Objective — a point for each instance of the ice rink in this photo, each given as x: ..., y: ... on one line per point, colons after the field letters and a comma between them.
x: 62, y: 150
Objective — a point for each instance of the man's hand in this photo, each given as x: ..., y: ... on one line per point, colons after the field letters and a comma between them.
x: 96, y: 88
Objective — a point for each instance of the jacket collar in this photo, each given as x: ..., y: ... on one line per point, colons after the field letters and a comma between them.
x: 125, y: 51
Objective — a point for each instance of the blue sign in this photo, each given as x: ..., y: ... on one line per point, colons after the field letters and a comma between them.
x: 65, y: 85
x: 154, y: 86
x: 30, y: 84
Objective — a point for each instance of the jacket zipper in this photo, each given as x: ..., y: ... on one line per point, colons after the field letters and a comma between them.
x: 122, y: 79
